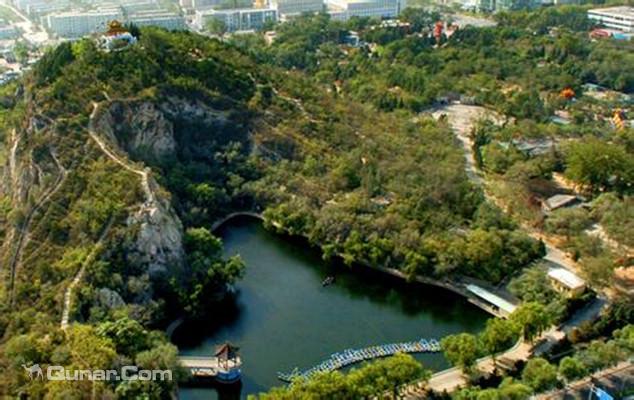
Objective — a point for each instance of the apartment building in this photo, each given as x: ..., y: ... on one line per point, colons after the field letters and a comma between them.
x: 160, y: 18
x: 620, y: 18
x: 237, y: 19
x: 345, y: 9
x: 292, y: 8
x: 75, y: 24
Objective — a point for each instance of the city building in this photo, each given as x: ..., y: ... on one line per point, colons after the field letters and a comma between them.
x: 186, y: 4
x: 619, y: 18
x: 237, y: 19
x: 200, y: 5
x: 292, y: 8
x: 566, y: 282
x: 506, y: 5
x: 163, y: 19
x: 345, y: 9
x: 8, y: 32
x: 75, y: 24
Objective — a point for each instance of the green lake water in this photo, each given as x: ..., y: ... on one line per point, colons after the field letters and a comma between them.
x: 282, y: 317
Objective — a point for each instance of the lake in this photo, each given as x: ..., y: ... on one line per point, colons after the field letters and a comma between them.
x: 281, y: 317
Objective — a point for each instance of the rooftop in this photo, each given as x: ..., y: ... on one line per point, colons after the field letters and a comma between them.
x: 558, y: 201
x: 566, y: 278
x: 492, y: 298
x: 622, y: 11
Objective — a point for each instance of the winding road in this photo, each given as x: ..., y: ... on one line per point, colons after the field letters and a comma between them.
x: 14, y: 261
x: 68, y: 294
x: 461, y: 119
x: 150, y: 201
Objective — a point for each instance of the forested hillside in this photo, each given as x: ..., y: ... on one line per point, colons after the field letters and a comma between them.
x: 116, y: 164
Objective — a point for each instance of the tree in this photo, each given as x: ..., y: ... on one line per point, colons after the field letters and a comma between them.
x: 509, y: 389
x: 499, y: 335
x: 21, y: 51
x: 208, y: 272
x: 128, y: 335
x: 568, y: 221
x: 216, y: 26
x: 532, y: 318
x: 461, y: 350
x: 371, y: 380
x: 571, y: 368
x: 600, y: 165
x: 539, y: 374
x: 599, y: 271
x: 601, y: 355
x: 386, y: 375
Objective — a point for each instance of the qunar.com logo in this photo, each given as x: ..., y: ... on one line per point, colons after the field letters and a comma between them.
x: 126, y: 373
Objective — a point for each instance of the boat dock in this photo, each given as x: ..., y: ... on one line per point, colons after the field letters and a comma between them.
x: 349, y: 357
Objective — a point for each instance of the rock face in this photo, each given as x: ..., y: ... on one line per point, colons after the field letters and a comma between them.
x: 109, y: 298
x: 142, y: 130
x: 159, y: 238
x: 139, y: 128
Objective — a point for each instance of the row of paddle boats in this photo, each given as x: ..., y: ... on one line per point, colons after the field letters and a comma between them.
x: 348, y: 357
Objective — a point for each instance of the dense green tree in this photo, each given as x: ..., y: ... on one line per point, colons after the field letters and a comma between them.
x: 571, y: 368
x: 209, y: 273
x: 532, y: 318
x: 386, y: 376
x: 461, y: 350
x: 539, y: 374
x: 216, y: 26
x: 128, y: 336
x: 600, y: 165
x: 499, y: 335
x: 373, y: 379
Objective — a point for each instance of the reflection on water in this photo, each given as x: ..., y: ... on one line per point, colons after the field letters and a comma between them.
x: 282, y: 317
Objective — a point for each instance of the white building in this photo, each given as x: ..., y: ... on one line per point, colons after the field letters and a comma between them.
x: 566, y: 281
x: 163, y: 19
x: 621, y: 18
x: 204, y: 4
x: 292, y: 8
x: 8, y: 32
x: 345, y: 9
x: 75, y: 24
x: 237, y: 19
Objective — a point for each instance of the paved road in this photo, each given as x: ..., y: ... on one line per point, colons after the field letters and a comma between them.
x: 453, y: 378
x: 461, y: 119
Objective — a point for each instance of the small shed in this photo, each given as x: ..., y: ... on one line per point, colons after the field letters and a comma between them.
x: 566, y: 281
x: 558, y: 201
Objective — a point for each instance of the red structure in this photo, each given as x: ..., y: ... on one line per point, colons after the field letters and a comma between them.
x: 438, y: 29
